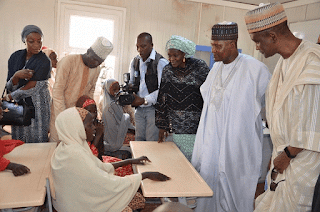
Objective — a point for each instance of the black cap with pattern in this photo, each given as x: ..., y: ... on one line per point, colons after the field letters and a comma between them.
x: 225, y: 31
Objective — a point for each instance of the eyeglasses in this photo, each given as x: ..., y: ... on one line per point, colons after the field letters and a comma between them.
x: 274, y: 175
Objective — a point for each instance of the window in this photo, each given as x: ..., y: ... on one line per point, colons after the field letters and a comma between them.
x: 79, y: 24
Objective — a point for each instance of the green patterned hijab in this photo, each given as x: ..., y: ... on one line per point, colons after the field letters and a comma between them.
x: 182, y: 44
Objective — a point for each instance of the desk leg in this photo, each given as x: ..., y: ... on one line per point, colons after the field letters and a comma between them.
x: 165, y: 199
x: 191, y: 202
x: 183, y: 200
x: 49, y: 195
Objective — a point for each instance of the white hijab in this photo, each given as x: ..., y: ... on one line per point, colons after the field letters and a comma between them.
x: 82, y: 182
x: 107, y: 98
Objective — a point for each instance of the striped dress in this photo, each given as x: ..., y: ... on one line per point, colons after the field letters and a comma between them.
x: 37, y: 132
x: 293, y: 115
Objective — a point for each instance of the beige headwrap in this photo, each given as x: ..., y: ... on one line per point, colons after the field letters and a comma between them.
x: 82, y: 112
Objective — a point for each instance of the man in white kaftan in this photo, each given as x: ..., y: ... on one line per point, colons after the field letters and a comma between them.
x: 293, y: 113
x: 228, y: 147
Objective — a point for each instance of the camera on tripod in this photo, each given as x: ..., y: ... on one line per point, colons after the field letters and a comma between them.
x: 125, y: 95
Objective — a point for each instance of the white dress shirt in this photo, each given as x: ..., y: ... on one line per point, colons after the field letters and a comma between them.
x: 143, y: 90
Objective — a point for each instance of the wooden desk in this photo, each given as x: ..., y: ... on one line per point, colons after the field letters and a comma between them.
x: 26, y: 190
x: 169, y: 160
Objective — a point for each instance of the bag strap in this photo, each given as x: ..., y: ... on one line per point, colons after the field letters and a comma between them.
x: 4, y: 90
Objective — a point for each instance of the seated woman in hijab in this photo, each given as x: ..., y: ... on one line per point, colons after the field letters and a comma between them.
x: 96, y: 145
x: 116, y: 121
x: 81, y: 181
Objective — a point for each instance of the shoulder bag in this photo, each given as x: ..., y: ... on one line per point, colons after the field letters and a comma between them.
x: 18, y: 114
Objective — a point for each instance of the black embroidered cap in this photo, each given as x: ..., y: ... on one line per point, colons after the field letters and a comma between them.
x: 225, y: 31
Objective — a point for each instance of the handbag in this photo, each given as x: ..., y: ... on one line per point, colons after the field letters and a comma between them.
x: 17, y: 114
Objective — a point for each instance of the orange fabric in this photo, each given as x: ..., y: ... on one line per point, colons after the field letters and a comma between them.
x: 7, y: 146
x: 121, y: 171
x: 88, y: 102
x: 129, y: 137
x: 94, y: 150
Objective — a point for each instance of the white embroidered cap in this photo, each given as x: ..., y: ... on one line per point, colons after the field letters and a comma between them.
x: 102, y: 47
x: 265, y: 17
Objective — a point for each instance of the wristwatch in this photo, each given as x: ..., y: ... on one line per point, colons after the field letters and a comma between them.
x: 145, y: 101
x: 286, y: 150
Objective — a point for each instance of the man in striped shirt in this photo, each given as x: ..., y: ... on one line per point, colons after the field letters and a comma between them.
x: 293, y: 112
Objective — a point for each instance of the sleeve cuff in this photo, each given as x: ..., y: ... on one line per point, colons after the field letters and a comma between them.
x: 149, y: 100
x: 4, y: 163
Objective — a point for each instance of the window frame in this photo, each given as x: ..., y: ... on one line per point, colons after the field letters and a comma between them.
x: 66, y: 8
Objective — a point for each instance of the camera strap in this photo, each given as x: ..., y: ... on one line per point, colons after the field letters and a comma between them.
x: 136, y: 66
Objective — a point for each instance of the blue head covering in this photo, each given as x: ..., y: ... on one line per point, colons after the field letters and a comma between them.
x: 28, y: 29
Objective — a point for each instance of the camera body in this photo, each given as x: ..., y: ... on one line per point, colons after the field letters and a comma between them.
x: 125, y: 95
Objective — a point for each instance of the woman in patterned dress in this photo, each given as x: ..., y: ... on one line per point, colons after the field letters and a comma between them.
x: 179, y: 104
x: 28, y: 74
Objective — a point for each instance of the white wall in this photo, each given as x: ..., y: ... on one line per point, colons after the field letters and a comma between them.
x: 161, y: 18
x: 15, y: 14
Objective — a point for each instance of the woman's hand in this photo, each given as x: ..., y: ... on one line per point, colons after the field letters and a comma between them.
x: 156, y: 176
x: 141, y: 160
x: 18, y: 169
x: 162, y: 135
x: 22, y: 74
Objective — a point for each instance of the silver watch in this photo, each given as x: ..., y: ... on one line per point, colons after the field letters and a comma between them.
x: 145, y: 101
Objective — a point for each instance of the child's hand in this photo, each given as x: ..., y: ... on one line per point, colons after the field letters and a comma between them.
x: 141, y: 160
